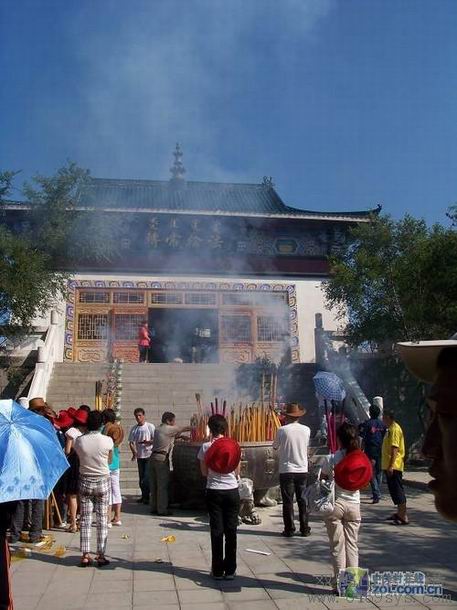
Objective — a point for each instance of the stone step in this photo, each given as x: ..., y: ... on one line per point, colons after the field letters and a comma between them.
x: 159, y: 387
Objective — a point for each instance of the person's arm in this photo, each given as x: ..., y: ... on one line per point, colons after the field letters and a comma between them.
x: 393, y: 456
x: 132, y: 444
x: 68, y: 445
x: 110, y: 457
x: 203, y: 468
x: 182, y: 429
x: 394, y: 445
x: 133, y: 450
x: 201, y: 459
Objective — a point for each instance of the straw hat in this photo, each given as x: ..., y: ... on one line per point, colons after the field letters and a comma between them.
x: 293, y: 409
x: 421, y: 357
x: 37, y: 404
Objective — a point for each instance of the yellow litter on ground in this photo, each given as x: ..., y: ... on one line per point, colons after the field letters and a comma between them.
x: 169, y: 539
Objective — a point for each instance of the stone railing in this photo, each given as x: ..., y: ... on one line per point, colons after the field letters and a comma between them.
x: 47, y: 355
x: 330, y: 359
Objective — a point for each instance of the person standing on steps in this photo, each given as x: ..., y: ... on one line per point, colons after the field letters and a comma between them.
x: 292, y: 441
x: 140, y: 443
x: 160, y: 462
x: 393, y: 463
x: 372, y: 432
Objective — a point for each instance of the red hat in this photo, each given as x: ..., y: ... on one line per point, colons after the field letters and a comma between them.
x: 80, y: 417
x: 71, y: 411
x: 64, y: 420
x: 223, y: 456
x: 354, y: 471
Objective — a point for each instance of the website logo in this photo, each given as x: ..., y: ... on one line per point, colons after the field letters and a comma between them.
x: 353, y: 582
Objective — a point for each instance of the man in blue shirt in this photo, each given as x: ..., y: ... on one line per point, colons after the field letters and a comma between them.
x: 372, y: 432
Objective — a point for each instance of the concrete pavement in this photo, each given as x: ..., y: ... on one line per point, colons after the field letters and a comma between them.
x: 148, y: 573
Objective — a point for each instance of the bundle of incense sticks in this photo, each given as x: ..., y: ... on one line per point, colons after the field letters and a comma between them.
x: 247, y: 423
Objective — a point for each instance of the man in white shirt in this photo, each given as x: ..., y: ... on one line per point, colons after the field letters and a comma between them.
x: 292, y: 441
x: 140, y: 442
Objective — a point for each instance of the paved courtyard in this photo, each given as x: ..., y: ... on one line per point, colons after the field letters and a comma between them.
x: 148, y: 573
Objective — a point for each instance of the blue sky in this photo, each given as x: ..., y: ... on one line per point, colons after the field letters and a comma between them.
x: 344, y: 103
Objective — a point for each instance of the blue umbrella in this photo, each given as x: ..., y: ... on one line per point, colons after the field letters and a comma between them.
x: 31, y: 458
x: 329, y: 386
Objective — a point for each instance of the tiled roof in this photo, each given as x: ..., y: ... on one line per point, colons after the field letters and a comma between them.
x: 187, y: 196
x: 194, y: 197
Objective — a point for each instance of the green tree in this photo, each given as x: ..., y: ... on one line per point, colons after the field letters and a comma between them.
x: 67, y: 234
x: 394, y: 281
x: 58, y: 237
x: 28, y: 283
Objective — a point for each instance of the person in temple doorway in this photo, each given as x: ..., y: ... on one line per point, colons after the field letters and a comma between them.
x: 144, y: 341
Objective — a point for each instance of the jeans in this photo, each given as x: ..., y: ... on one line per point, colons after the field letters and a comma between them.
x: 143, y: 476
x: 376, y: 480
x: 343, y: 531
x: 293, y: 483
x: 159, y: 479
x: 36, y: 526
x: 223, y: 508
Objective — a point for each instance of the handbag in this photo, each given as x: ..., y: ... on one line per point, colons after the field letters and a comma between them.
x: 320, y: 496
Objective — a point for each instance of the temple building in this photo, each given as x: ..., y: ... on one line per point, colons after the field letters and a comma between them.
x: 222, y: 272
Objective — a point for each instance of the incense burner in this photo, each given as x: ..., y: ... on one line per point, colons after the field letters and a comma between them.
x: 259, y: 462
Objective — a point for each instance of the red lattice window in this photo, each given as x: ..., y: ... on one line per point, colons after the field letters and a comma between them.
x: 92, y: 326
x: 126, y: 326
x: 271, y: 328
x: 236, y: 328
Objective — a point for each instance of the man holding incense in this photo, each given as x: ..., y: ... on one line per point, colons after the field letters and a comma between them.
x: 292, y: 441
x: 160, y: 461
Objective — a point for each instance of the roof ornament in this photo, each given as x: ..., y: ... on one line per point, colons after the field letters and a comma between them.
x: 177, y: 170
x: 267, y: 182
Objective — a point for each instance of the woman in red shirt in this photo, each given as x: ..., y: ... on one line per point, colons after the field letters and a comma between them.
x: 143, y: 341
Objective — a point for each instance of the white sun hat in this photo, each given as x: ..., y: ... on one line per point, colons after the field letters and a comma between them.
x: 420, y: 357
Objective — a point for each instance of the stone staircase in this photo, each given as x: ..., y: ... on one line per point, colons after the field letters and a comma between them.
x: 74, y: 384
x: 165, y: 387
x: 154, y: 387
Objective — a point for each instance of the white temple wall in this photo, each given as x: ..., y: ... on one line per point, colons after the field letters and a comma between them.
x: 310, y: 300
